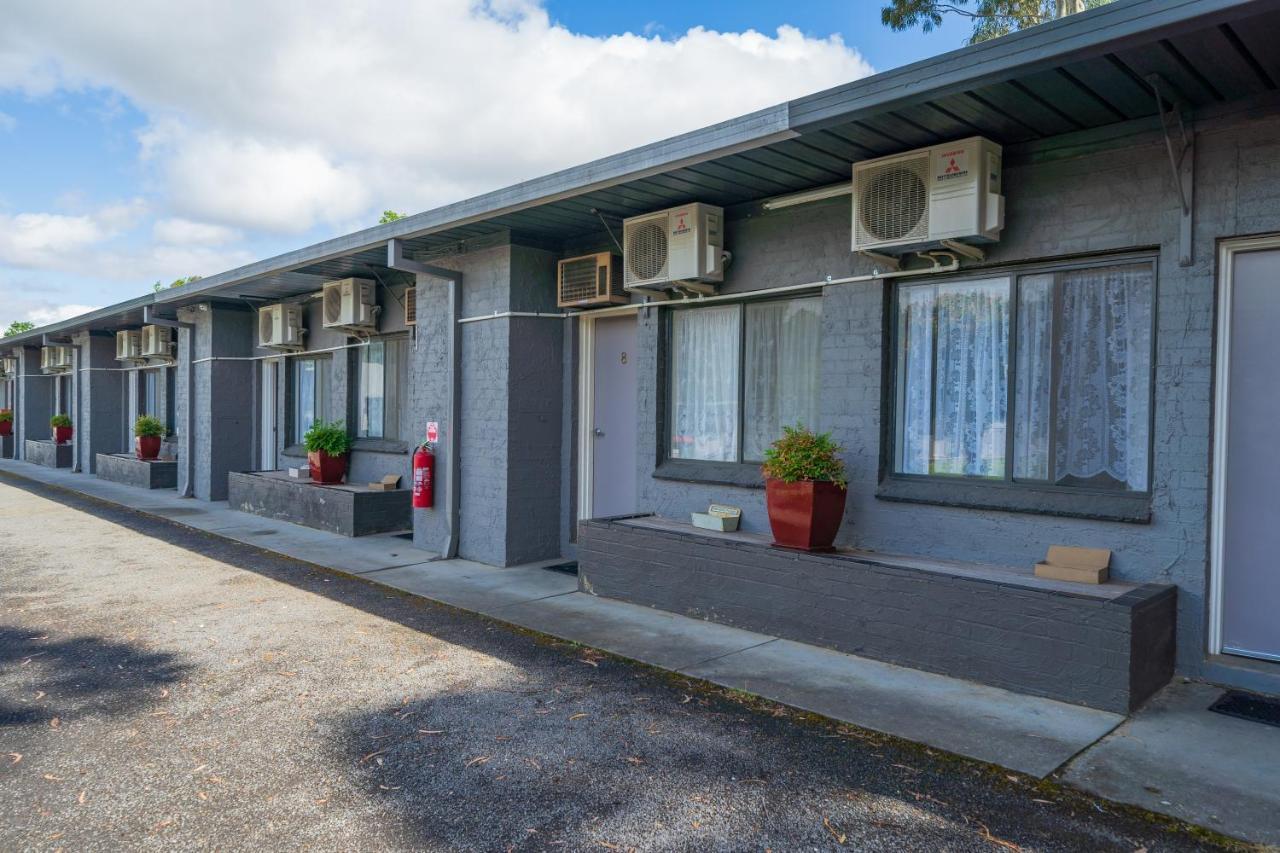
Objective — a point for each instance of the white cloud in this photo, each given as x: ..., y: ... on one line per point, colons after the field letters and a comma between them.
x: 7, y: 122
x: 40, y: 239
x: 283, y: 115
x: 184, y: 232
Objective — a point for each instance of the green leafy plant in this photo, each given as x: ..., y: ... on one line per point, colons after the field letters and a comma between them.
x: 17, y: 327
x: 802, y: 454
x: 6, y: 416
x: 330, y: 438
x: 59, y: 421
x: 147, y: 426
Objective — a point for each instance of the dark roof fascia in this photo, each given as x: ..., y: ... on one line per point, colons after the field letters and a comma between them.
x: 77, y: 323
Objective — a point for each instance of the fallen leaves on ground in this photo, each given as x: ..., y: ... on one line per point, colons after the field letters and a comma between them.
x: 835, y: 833
x: 479, y: 759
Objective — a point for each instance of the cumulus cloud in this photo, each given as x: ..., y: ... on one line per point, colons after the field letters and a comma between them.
x: 184, y: 232
x: 7, y: 122
x: 282, y: 116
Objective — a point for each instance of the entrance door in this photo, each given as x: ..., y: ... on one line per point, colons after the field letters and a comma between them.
x: 267, y: 440
x: 1248, y: 465
x: 613, y: 418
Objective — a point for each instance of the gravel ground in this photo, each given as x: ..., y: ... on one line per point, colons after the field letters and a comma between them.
x: 161, y: 688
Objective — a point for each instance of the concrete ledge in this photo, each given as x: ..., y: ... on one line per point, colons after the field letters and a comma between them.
x: 1108, y: 647
x: 6, y: 446
x: 50, y: 455
x: 132, y: 471
x: 348, y: 510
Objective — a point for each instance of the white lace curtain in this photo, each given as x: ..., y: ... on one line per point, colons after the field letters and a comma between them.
x: 782, y: 371
x: 704, y: 378
x: 1098, y: 422
x: 955, y: 364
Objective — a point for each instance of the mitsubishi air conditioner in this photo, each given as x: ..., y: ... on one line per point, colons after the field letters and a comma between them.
x: 350, y: 305
x: 157, y: 342
x: 280, y: 326
x: 590, y: 280
x: 924, y: 197
x: 128, y: 346
x: 55, y: 359
x: 682, y: 247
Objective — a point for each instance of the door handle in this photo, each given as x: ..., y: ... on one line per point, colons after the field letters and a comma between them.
x: 599, y: 433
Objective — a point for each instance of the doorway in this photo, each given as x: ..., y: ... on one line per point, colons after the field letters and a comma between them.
x: 267, y: 439
x: 1246, y: 517
x: 607, y: 485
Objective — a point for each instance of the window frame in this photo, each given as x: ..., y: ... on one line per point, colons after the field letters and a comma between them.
x: 742, y: 471
x: 1010, y: 492
x: 291, y: 398
x: 396, y: 443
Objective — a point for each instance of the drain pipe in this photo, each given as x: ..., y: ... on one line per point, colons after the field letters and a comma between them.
x: 396, y: 260
x: 149, y: 318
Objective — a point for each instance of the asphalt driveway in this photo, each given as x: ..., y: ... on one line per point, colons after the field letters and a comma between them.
x: 162, y: 688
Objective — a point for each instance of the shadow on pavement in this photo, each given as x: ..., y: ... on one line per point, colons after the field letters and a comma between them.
x: 80, y: 675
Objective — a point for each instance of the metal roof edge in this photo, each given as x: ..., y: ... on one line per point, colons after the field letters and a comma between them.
x: 72, y: 324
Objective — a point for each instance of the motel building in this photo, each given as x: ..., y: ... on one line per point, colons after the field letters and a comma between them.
x: 1031, y: 287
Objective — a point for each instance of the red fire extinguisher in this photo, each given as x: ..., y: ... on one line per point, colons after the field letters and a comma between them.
x: 424, y: 477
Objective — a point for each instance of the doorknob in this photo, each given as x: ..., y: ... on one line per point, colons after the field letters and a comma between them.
x: 598, y: 432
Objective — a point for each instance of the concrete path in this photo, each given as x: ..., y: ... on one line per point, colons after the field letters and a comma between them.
x: 1027, y: 734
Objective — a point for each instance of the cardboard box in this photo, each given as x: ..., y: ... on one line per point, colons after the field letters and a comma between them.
x: 1079, y: 558
x: 389, y: 483
x: 1074, y: 574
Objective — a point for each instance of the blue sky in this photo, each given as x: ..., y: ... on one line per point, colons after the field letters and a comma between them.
x: 167, y: 140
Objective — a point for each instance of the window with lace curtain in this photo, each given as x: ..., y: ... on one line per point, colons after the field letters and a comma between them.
x: 1040, y: 377
x: 738, y: 374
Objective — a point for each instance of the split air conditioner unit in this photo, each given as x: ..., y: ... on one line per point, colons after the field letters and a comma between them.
x: 157, y: 342
x: 910, y: 201
x: 590, y: 280
x: 678, y: 248
x: 411, y: 305
x: 280, y: 326
x: 8, y: 369
x: 55, y: 359
x: 128, y: 346
x: 350, y: 305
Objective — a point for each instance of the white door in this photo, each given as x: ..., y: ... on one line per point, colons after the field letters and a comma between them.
x: 267, y: 440
x: 1247, y: 462
x: 612, y: 438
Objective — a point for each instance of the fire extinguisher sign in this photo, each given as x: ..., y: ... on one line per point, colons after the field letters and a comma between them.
x: 433, y: 432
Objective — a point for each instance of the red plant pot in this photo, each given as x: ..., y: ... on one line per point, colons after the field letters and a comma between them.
x: 6, y: 427
x: 61, y: 435
x: 325, y: 468
x: 147, y: 446
x: 804, y: 515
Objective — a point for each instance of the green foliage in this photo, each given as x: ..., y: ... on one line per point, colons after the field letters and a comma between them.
x: 991, y: 18
x: 6, y: 416
x: 59, y: 421
x: 389, y: 216
x: 177, y: 282
x: 149, y: 427
x: 330, y: 438
x: 802, y: 454
x: 17, y: 327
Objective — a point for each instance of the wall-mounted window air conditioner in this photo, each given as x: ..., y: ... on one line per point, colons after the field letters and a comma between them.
x: 590, y: 280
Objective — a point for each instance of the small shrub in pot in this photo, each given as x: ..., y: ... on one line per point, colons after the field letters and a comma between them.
x: 805, y: 489
x: 148, y: 433
x: 327, y: 446
x: 6, y: 422
x: 61, y: 428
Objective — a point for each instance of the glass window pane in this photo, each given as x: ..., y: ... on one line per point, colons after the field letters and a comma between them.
x: 393, y: 381
x: 1102, y: 424
x: 971, y: 386
x: 1034, y: 372
x: 704, y: 383
x: 915, y: 371
x: 783, y: 370
x: 372, y: 384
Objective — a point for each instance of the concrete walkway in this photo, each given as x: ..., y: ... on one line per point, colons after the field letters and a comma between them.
x: 1038, y: 737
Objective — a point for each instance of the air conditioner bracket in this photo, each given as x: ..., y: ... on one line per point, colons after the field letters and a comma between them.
x: 889, y: 262
x: 1181, y: 150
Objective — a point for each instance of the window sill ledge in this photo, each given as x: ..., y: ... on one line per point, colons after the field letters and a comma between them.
x: 1100, y: 506
x: 743, y: 475
x: 360, y: 445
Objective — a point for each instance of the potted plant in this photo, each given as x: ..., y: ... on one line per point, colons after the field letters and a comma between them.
x: 6, y: 422
x: 327, y: 447
x: 148, y: 432
x: 61, y: 428
x: 805, y: 489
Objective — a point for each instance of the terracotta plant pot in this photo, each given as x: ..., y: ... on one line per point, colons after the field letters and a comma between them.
x: 147, y: 446
x: 61, y: 435
x: 6, y: 427
x: 325, y: 468
x: 804, y: 515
